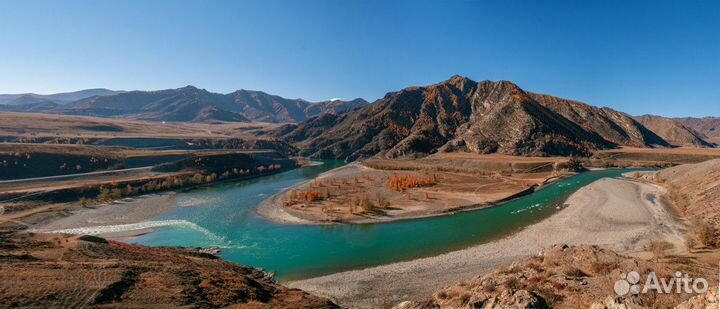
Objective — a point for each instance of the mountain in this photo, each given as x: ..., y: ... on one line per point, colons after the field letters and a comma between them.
x: 455, y: 115
x: 673, y: 131
x: 615, y: 127
x: 189, y: 104
x: 58, y: 98
x: 260, y: 106
x: 37, y: 107
x: 334, y: 106
x: 182, y: 104
x: 707, y: 126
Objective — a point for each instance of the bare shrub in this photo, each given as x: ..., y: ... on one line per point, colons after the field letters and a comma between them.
x: 658, y: 249
x: 691, y: 242
x: 705, y: 233
x: 382, y: 202
x: 602, y: 268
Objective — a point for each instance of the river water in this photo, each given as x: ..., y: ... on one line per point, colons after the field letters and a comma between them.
x: 224, y: 216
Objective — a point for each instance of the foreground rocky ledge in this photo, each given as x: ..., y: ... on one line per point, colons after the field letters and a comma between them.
x: 564, y: 276
x: 58, y: 271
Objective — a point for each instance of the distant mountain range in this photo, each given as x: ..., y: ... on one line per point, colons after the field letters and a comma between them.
x: 458, y: 114
x: 482, y: 117
x: 58, y: 98
x: 182, y: 104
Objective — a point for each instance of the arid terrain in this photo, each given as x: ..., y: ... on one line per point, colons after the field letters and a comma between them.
x: 418, y: 152
x: 280, y: 154
x: 564, y: 276
x: 52, y: 166
x: 57, y: 271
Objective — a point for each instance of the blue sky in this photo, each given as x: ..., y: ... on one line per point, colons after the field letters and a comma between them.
x: 660, y: 57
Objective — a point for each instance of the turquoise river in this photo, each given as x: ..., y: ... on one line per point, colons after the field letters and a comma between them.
x: 224, y: 216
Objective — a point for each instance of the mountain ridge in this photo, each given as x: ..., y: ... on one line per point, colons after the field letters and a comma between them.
x: 57, y: 98
x: 673, y: 131
x: 191, y: 104
x: 614, y: 126
x: 458, y: 114
x: 709, y: 127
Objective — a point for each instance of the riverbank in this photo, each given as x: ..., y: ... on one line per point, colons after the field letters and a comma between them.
x: 358, y: 194
x: 81, y: 217
x: 614, y: 213
x: 121, y: 212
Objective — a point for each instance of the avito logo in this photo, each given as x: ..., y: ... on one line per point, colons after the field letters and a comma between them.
x: 682, y: 283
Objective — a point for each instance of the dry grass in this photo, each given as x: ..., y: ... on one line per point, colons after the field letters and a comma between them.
x: 570, y: 277
x: 32, y: 125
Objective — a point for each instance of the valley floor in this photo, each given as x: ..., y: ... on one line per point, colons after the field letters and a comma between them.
x: 615, y: 213
x: 619, y: 214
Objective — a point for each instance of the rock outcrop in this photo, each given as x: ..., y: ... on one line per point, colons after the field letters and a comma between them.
x: 560, y: 276
x: 708, y: 300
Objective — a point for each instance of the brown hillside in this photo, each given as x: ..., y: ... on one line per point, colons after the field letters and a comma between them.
x: 708, y: 126
x: 673, y: 131
x: 614, y: 126
x: 695, y: 190
x: 563, y: 277
x: 56, y: 271
x: 455, y: 115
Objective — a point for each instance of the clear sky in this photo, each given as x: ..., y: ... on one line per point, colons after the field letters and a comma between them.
x: 660, y: 57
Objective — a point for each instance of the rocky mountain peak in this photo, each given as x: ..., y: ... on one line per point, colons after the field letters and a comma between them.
x: 458, y: 114
x: 460, y: 82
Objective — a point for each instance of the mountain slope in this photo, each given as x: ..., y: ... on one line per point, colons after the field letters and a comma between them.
x: 707, y: 126
x: 260, y: 106
x: 672, y: 131
x: 189, y: 104
x: 457, y: 114
x: 613, y: 126
x: 333, y: 107
x: 58, y: 98
x: 182, y: 104
x: 37, y: 107
x: 695, y: 189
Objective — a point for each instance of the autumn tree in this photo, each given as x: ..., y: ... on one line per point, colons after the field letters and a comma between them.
x: 401, y: 183
x: 104, y: 195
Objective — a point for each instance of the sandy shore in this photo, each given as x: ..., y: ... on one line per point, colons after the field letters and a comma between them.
x: 613, y: 213
x: 126, y: 211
